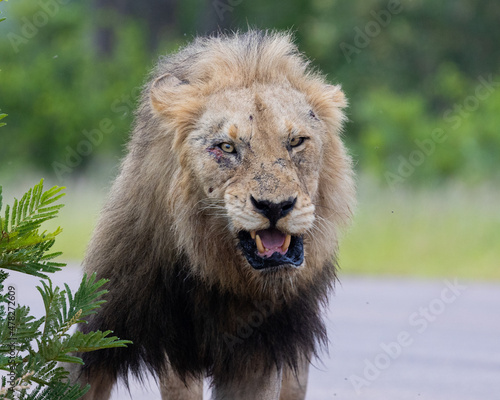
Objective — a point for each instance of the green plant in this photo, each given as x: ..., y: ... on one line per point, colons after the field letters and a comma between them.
x: 31, y: 348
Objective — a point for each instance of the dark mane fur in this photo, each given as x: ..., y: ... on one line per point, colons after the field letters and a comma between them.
x: 195, y: 325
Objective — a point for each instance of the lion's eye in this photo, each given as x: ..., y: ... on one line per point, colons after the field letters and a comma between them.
x: 296, y: 141
x: 227, y: 147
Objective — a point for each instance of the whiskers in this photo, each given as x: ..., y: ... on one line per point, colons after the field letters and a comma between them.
x: 321, y: 225
x: 330, y: 212
x: 329, y: 220
x: 212, y: 207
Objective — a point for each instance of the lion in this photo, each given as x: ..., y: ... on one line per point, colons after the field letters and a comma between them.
x: 220, y: 234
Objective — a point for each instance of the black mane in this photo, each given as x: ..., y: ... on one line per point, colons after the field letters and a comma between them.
x: 206, y: 331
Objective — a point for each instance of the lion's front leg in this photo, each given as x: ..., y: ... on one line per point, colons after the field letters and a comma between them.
x: 294, y: 385
x: 173, y: 388
x: 255, y: 386
x: 101, y: 381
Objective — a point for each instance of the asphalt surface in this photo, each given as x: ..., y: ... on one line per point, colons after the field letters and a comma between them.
x: 390, y: 339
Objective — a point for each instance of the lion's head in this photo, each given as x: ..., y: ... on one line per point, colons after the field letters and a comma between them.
x: 240, y: 143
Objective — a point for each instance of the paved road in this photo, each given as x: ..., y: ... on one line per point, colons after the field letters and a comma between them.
x: 391, y: 339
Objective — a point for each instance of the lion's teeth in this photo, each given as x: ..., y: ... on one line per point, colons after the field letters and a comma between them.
x: 260, y: 247
x: 286, y: 244
x: 252, y: 234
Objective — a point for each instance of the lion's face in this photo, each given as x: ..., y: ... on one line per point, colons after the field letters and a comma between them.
x: 252, y: 181
x: 256, y: 153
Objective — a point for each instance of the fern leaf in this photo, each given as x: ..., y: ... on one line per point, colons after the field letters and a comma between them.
x: 70, y: 359
x: 85, y: 342
x: 13, y: 216
x: 6, y: 219
x: 25, y: 203
x: 33, y: 208
x: 85, y: 298
x: 60, y: 392
x: 22, y: 247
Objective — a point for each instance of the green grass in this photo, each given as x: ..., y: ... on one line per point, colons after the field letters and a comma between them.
x: 451, y: 231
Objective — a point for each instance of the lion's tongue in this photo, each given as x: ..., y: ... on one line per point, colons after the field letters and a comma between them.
x: 272, y: 240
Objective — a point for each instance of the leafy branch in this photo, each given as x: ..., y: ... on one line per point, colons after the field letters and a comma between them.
x: 32, y: 349
x: 22, y: 247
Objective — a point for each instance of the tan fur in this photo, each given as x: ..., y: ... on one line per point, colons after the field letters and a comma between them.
x: 294, y: 385
x: 171, y: 387
x: 188, y: 198
x: 101, y: 387
x: 255, y: 387
x: 233, y: 132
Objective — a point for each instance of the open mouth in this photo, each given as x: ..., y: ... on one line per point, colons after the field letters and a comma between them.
x: 270, y: 248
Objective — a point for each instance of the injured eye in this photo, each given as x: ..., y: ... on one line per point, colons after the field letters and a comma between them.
x: 227, y: 147
x: 296, y: 141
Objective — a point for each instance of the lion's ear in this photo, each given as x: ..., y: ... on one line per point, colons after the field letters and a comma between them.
x: 328, y: 102
x: 164, y: 90
x: 178, y: 103
x: 337, y: 95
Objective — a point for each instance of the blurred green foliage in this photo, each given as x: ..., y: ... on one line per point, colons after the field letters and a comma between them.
x: 54, y: 86
x: 422, y: 78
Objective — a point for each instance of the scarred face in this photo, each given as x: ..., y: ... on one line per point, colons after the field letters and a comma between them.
x: 255, y: 179
x: 257, y: 153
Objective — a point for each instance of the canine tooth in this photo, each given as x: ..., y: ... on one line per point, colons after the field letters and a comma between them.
x: 260, y: 247
x: 286, y: 244
x: 252, y: 234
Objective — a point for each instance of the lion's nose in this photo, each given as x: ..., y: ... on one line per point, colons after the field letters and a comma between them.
x: 273, y: 211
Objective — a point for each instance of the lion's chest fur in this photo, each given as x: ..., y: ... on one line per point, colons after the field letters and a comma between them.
x: 205, y: 331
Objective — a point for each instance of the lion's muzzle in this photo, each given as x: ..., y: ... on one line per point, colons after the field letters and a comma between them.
x: 273, y: 211
x: 269, y: 248
x: 266, y: 249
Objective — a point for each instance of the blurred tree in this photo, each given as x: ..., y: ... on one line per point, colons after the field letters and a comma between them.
x: 162, y: 19
x: 160, y: 16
